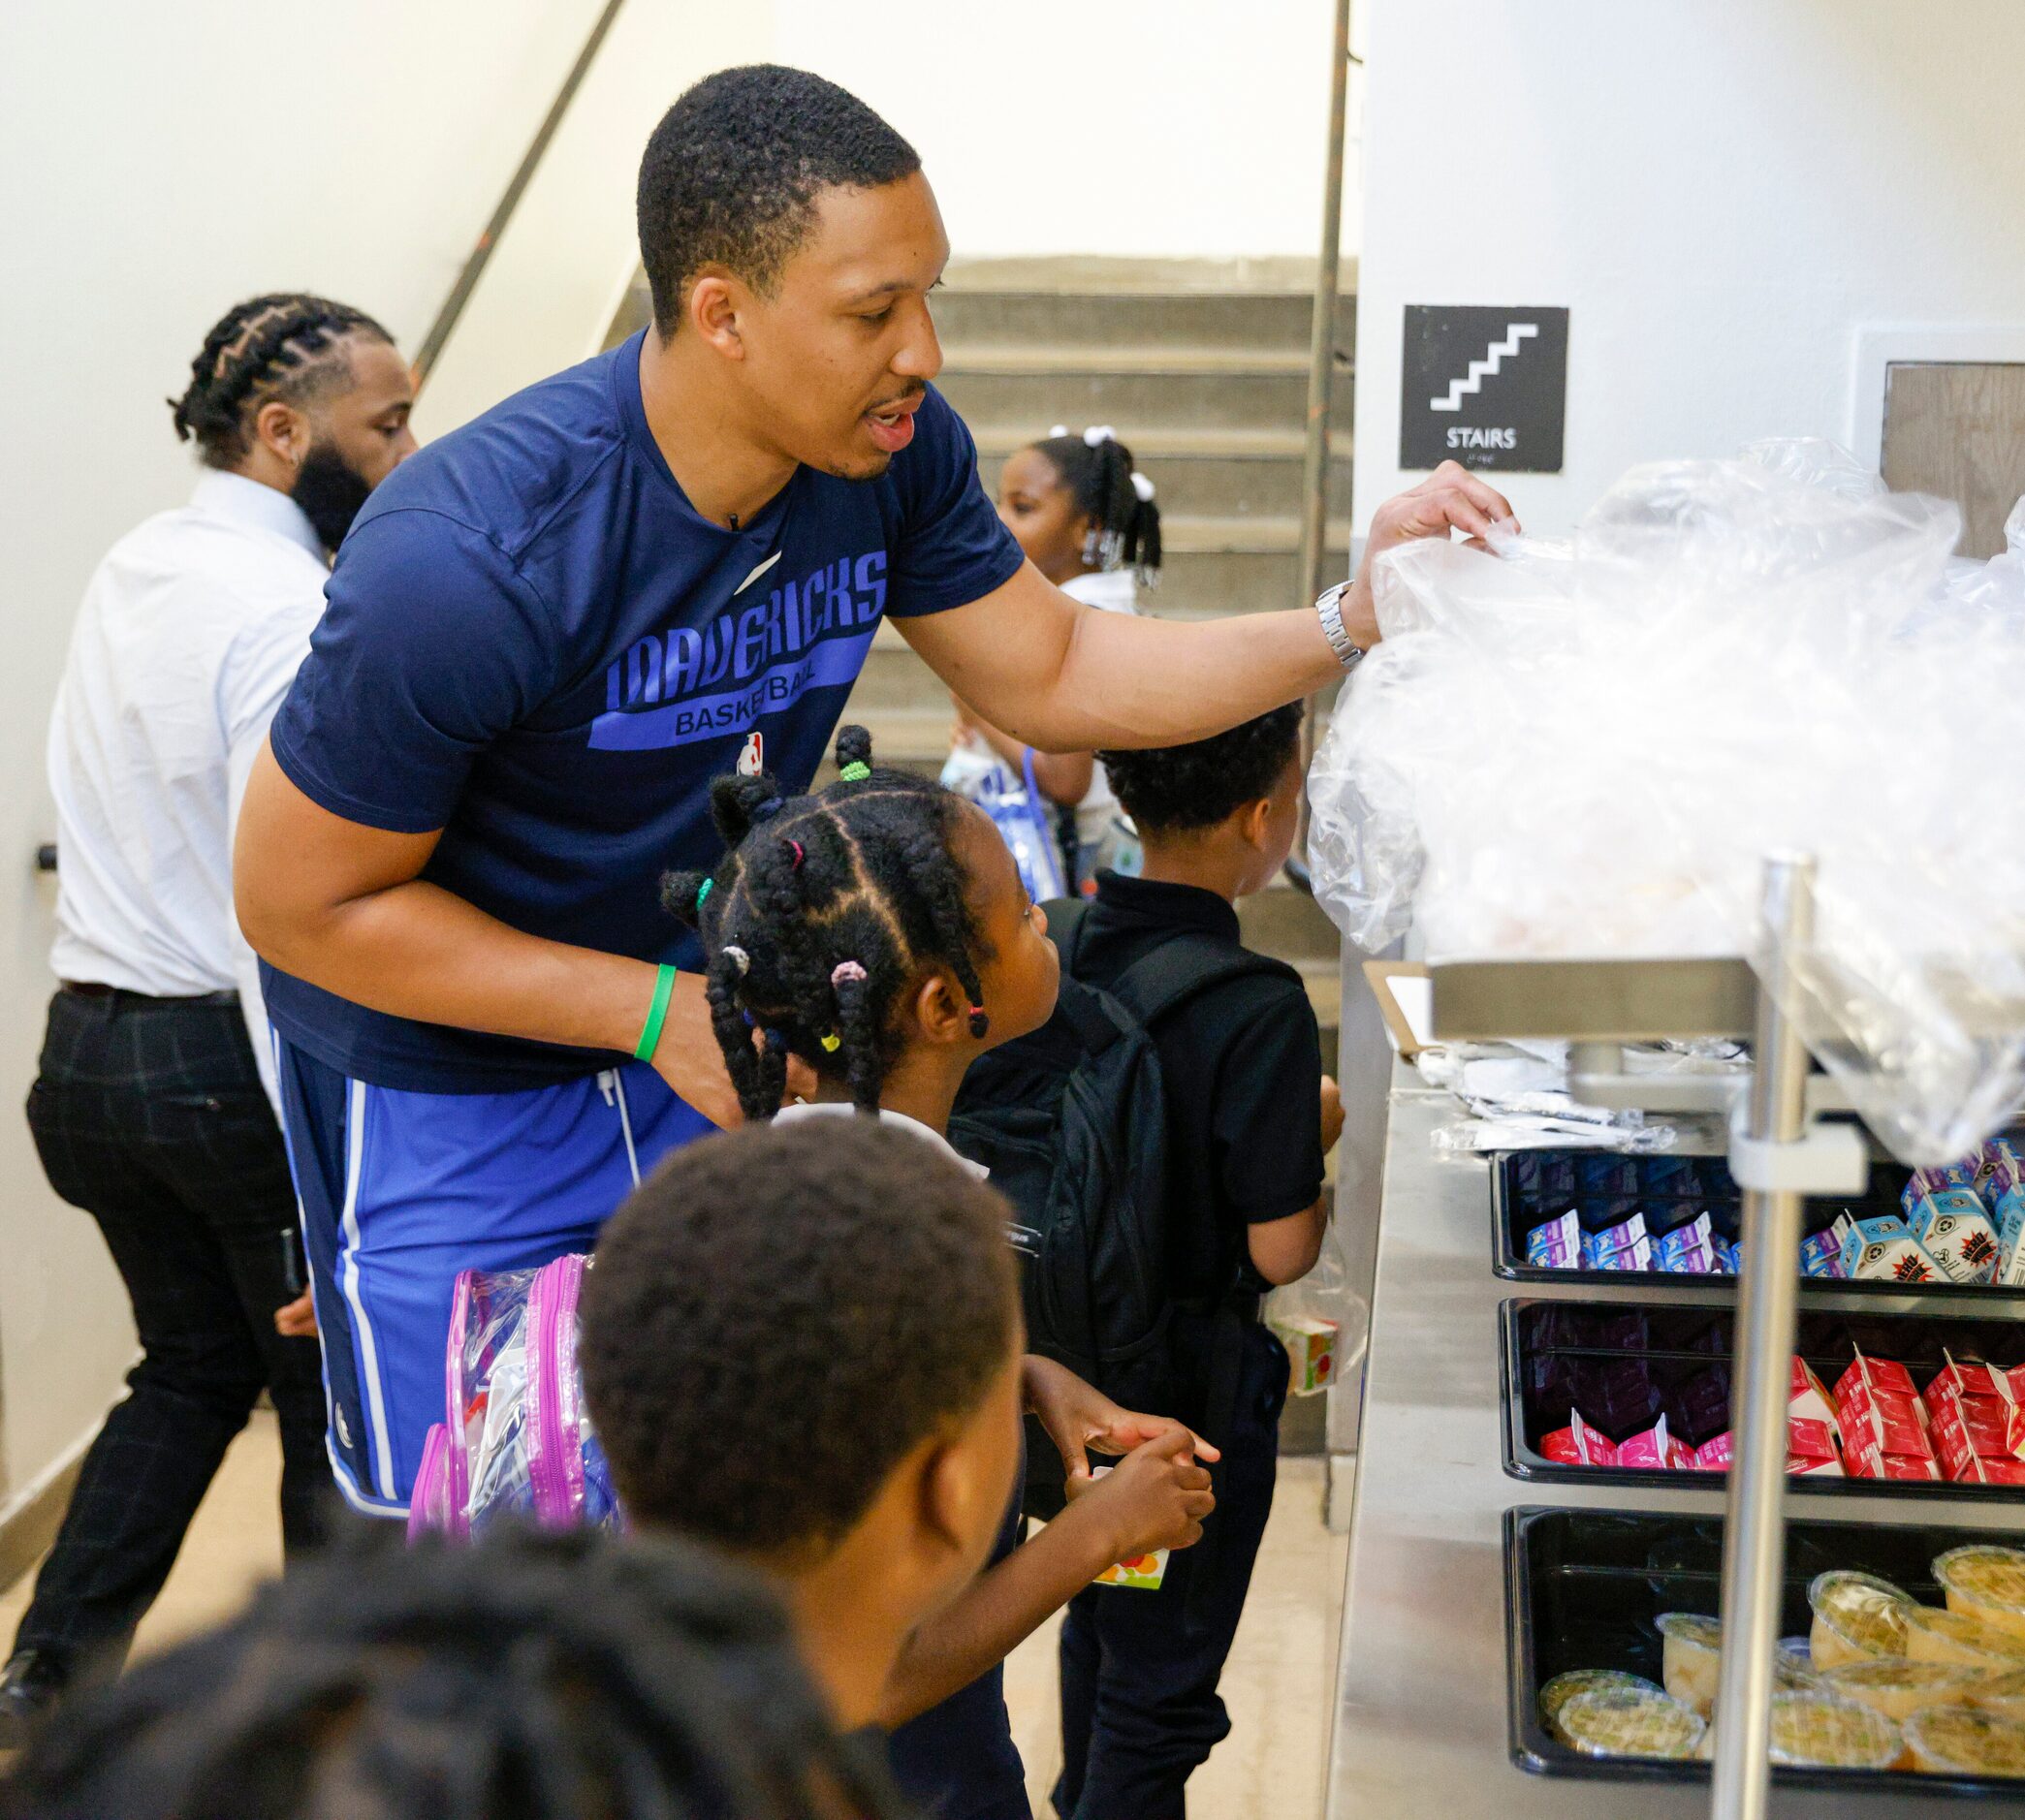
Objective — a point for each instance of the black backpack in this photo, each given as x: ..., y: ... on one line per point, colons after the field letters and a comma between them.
x: 1072, y: 1124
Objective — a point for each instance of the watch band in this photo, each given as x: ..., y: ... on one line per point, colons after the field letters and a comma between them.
x: 1329, y: 609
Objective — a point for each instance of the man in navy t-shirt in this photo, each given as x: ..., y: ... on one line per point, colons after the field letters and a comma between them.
x: 550, y: 630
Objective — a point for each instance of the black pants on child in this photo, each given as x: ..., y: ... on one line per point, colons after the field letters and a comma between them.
x: 957, y: 1760
x: 149, y: 1113
x: 1139, y: 1669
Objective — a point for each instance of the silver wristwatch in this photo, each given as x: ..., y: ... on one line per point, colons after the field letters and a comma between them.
x: 1329, y: 609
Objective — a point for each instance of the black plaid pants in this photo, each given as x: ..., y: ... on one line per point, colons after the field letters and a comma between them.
x: 148, y: 1115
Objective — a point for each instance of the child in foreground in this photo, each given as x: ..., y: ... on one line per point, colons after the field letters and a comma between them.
x: 542, y: 1678
x: 878, y: 931
x: 1085, y: 518
x: 1250, y: 1118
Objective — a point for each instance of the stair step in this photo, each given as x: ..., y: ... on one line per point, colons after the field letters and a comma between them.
x: 1138, y: 398
x: 1275, y: 319
x: 1067, y: 358
x: 1206, y: 480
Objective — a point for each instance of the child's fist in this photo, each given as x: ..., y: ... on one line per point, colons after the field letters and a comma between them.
x: 1156, y: 1497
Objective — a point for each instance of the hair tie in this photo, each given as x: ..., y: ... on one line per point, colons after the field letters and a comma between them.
x: 703, y: 891
x: 1142, y: 486
x: 1097, y: 434
x: 1058, y: 431
x: 738, y: 957
x: 768, y: 809
x: 855, y: 772
x: 775, y: 1040
x: 832, y: 1044
x: 980, y: 1022
x: 800, y: 856
x: 845, y: 971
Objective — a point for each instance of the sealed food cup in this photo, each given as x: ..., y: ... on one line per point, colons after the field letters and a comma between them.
x: 1855, y: 1615
x: 1629, y: 1722
x: 1986, y: 1582
x: 1965, y: 1740
x: 2003, y: 1694
x: 1823, y: 1732
x: 1694, y: 1658
x: 1935, y: 1634
x: 1792, y: 1666
x: 1898, y: 1688
x: 1562, y: 1688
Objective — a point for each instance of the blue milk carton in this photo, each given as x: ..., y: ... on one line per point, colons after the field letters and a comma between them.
x: 1955, y: 1230
x: 1882, y: 1246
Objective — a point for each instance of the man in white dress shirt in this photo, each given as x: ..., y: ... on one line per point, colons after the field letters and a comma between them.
x: 152, y: 1109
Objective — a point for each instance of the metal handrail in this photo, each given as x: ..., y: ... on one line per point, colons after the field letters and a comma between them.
x: 439, y: 332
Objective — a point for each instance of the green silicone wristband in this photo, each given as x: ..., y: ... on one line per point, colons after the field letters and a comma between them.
x: 656, y: 1014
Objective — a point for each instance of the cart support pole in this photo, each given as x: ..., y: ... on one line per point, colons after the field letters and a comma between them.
x: 1754, y: 1537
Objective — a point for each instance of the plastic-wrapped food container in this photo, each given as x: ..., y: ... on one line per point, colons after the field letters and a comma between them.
x: 1935, y: 1634
x: 1986, y: 1583
x: 1694, y: 1658
x: 1855, y: 1617
x: 2003, y: 1694
x: 1562, y: 1688
x: 1897, y: 1688
x: 1822, y: 1732
x: 1629, y: 1722
x: 1965, y: 1740
x: 1792, y: 1666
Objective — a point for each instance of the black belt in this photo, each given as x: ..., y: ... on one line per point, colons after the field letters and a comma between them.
x: 98, y: 989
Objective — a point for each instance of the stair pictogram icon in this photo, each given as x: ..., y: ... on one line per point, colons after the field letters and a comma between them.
x: 1498, y: 353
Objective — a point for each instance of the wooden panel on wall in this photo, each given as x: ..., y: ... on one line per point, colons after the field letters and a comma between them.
x: 1956, y: 429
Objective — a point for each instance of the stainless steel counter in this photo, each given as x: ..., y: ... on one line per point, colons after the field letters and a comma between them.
x: 1420, y: 1725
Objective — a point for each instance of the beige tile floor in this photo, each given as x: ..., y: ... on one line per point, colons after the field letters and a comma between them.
x: 1269, y: 1768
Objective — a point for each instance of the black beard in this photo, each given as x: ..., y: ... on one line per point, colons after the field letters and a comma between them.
x: 330, y: 492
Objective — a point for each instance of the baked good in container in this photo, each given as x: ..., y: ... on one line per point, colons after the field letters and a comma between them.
x: 1854, y: 1616
x: 1965, y: 1740
x: 1630, y: 1722
x: 1823, y: 1732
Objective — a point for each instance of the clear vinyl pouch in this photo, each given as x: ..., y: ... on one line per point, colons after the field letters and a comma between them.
x: 1322, y: 1299
x: 1589, y: 748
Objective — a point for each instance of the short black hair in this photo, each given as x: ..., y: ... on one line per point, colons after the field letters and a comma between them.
x: 824, y: 910
x: 283, y: 345
x: 1173, y: 788
x: 545, y: 1676
x: 731, y: 174
x: 778, y: 1314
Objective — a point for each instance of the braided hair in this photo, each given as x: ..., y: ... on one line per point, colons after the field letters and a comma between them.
x: 280, y: 346
x: 825, y: 909
x: 545, y: 1677
x: 1110, y: 492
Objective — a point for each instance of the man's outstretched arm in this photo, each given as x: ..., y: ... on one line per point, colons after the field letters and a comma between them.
x: 344, y: 906
x: 1063, y: 679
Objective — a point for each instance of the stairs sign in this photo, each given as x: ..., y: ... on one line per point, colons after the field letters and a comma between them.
x: 1486, y: 386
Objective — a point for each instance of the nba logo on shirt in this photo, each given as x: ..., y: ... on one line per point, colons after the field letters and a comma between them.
x: 753, y: 758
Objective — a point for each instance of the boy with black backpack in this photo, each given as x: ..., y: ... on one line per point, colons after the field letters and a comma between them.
x: 1163, y: 1141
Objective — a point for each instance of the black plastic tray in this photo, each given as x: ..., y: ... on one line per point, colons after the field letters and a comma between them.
x: 1687, y: 1338
x: 1583, y: 1588
x: 1704, y: 1184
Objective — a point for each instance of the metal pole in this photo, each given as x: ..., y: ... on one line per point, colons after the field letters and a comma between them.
x: 487, y: 240
x: 1753, y: 1539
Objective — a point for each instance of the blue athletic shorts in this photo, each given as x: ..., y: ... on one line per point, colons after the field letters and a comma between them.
x: 400, y: 1191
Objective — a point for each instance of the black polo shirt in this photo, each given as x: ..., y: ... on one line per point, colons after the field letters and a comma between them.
x: 1242, y: 1064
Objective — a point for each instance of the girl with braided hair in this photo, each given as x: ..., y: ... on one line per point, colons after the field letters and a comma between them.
x: 1087, y: 519
x: 878, y: 930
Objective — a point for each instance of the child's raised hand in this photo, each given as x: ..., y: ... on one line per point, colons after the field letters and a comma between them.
x: 1156, y: 1497
x: 1079, y: 1416
x: 1332, y: 1113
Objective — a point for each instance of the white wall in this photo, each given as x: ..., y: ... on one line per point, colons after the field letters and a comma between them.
x: 157, y: 164
x: 1131, y: 127
x: 1724, y: 196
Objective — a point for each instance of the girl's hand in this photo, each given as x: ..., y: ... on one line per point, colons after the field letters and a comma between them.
x: 1154, y: 1498
x: 1079, y: 1416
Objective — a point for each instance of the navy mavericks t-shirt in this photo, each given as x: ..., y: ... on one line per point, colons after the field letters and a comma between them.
x: 534, y: 642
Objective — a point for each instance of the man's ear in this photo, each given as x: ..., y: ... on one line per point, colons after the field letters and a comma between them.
x: 939, y: 1011
x: 715, y: 297
x: 284, y: 429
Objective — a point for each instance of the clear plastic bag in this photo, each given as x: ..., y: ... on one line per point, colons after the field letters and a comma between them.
x: 1589, y: 748
x: 1322, y: 1321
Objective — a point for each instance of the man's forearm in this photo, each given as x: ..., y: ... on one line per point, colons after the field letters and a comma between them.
x: 417, y: 951
x: 997, y: 1612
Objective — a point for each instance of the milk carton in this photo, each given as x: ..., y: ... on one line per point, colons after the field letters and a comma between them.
x: 1954, y: 1230
x: 1882, y: 1246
